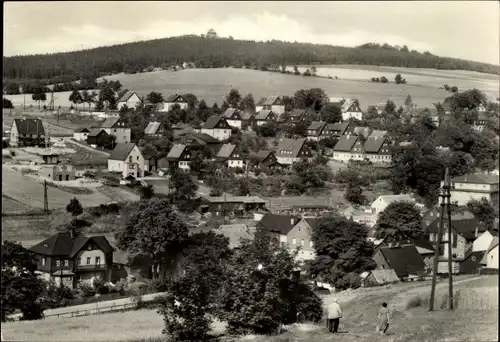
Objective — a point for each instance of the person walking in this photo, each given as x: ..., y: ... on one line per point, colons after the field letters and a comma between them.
x: 334, y: 314
x: 383, y: 319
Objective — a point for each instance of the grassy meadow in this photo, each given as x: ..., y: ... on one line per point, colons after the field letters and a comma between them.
x: 212, y: 85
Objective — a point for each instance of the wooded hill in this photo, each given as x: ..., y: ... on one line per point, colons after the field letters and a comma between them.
x: 218, y: 52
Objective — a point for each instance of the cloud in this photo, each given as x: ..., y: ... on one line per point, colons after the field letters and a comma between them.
x: 262, y: 26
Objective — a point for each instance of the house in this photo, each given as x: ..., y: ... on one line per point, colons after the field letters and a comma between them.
x: 59, y: 172
x: 271, y: 103
x: 230, y: 155
x: 480, y: 122
x: 458, y: 212
x: 200, y: 141
x: 351, y: 110
x: 291, y: 232
x: 297, y: 115
x: 342, y: 149
x: 425, y: 249
x: 379, y: 277
x: 264, y: 116
x: 263, y: 159
x: 378, y: 134
x: 127, y: 159
x: 335, y: 130
x: 290, y: 151
x: 472, y: 262
x: 233, y: 117
x: 383, y: 202
x: 118, y: 127
x: 235, y: 233
x: 464, y: 232
x: 27, y: 132
x: 404, y: 260
x: 226, y: 204
x: 217, y: 127
x: 154, y: 129
x: 474, y: 186
x: 73, y: 258
x: 483, y: 241
x: 173, y: 100
x: 81, y: 134
x: 315, y: 130
x: 130, y: 99
x: 127, y: 265
x: 180, y: 156
x: 150, y: 160
x: 97, y: 137
x: 490, y: 258
x: 378, y: 149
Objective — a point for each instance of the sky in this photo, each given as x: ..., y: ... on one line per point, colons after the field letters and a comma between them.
x: 460, y: 29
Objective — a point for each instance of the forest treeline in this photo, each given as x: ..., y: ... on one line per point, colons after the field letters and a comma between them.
x: 210, y: 52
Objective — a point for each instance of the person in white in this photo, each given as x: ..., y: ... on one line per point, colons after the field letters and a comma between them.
x: 334, y: 314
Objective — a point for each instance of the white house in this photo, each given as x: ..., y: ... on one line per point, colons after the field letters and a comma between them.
x: 81, y: 134
x: 351, y: 109
x: 127, y: 159
x: 290, y: 151
x: 217, y: 127
x: 233, y: 117
x: 230, y: 155
x: 383, y: 202
x: 483, y: 241
x: 173, y: 100
x: 273, y: 103
x: 118, y: 127
x: 475, y: 186
x: 129, y: 99
x: 154, y: 129
x: 490, y: 258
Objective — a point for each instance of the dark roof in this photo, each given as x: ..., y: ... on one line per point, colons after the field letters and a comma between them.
x: 315, y: 125
x: 373, y: 145
x: 229, y: 112
x: 82, y: 130
x: 404, y: 260
x: 109, y: 122
x: 345, y: 143
x: 29, y: 126
x: 278, y: 223
x: 297, y: 112
x: 476, y: 178
x: 94, y: 132
x: 212, y: 122
x: 464, y: 227
x: 260, y: 156
x: 293, y: 145
x: 338, y: 126
x: 478, y: 254
x: 172, y: 98
x: 270, y: 100
x: 263, y: 114
x: 121, y: 151
x: 422, y: 243
x: 314, y: 222
x: 203, y: 137
x: 61, y: 244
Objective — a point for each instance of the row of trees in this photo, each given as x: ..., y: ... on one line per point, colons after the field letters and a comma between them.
x: 398, y: 79
x: 217, y: 53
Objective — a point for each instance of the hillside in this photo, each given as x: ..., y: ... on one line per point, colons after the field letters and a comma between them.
x: 218, y: 52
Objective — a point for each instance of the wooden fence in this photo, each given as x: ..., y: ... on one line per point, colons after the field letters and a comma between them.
x: 96, y: 311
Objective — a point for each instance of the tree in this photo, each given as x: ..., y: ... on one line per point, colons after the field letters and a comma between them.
x: 296, y: 70
x: 185, y: 190
x: 313, y: 70
x: 155, y: 230
x: 307, y: 73
x: 314, y: 98
x: 211, y: 33
x: 483, y: 211
x: 269, y: 129
x: 74, y: 208
x: 343, y: 252
x: 383, y: 79
x: 331, y: 113
x: 21, y: 288
x: 354, y: 194
x: 400, y: 221
x: 399, y: 80
x: 7, y: 104
x: 233, y: 98
x: 39, y: 96
x: 390, y: 107
x: 147, y: 192
x: 247, y: 104
x: 155, y: 98
x: 408, y: 101
x: 76, y: 97
x: 12, y: 88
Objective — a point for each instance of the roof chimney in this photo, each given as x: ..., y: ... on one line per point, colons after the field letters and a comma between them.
x: 476, y: 232
x: 292, y: 220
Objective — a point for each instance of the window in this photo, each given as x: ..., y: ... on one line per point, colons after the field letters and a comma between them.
x: 97, y: 260
x: 294, y: 241
x: 130, y: 159
x: 44, y: 260
x: 88, y: 261
x: 302, y: 242
x: 310, y: 244
x: 137, y: 157
x: 58, y: 263
x: 66, y: 263
x: 79, y: 261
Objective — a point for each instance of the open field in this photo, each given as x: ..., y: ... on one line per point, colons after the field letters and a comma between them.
x: 212, y: 85
x: 358, y: 324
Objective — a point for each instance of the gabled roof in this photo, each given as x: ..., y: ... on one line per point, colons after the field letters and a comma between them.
x: 259, y: 156
x: 345, y: 143
x: 493, y: 245
x: 82, y: 130
x: 203, y: 137
x: 338, y: 126
x: 29, y: 126
x: 263, y: 114
x: 152, y: 127
x: 297, y: 113
x: 420, y: 243
x: 225, y: 151
x: 61, y: 244
x: 212, y: 121
x: 373, y: 145
x: 174, y: 97
x: 127, y: 96
x: 94, y: 132
x: 347, y: 104
x: 384, y: 276
x: 476, y: 178
x: 176, y: 151
x: 228, y: 198
x: 315, y: 125
x: 247, y: 116
x: 478, y: 254
x: 109, y: 122
x: 229, y: 112
x: 464, y: 227
x: 235, y: 233
x: 279, y: 223
x: 388, y: 199
x: 121, y: 151
x: 404, y: 260
x: 293, y: 145
x: 270, y: 100
x: 314, y: 222
x: 378, y: 133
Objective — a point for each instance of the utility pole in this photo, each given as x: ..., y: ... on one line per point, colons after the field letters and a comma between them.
x: 45, y: 198
x: 447, y: 187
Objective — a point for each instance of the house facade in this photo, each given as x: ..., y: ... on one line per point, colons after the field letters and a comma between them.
x: 264, y: 116
x: 173, y: 100
x: 263, y: 159
x: 118, y: 127
x: 272, y: 103
x: 233, y: 117
x: 228, y: 205
x: 351, y: 110
x: 230, y: 155
x: 128, y: 160
x: 72, y: 259
x: 342, y: 149
x: 297, y: 115
x: 474, y: 187
x: 59, y: 172
x: 130, y: 100
x: 154, y: 129
x: 490, y: 258
x: 81, y: 134
x: 315, y: 130
x: 378, y: 150
x: 27, y: 132
x: 217, y: 127
x: 97, y: 137
x: 404, y: 260
x: 180, y: 156
x: 290, y: 151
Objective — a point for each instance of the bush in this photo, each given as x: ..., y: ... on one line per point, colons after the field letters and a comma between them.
x: 86, y: 289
